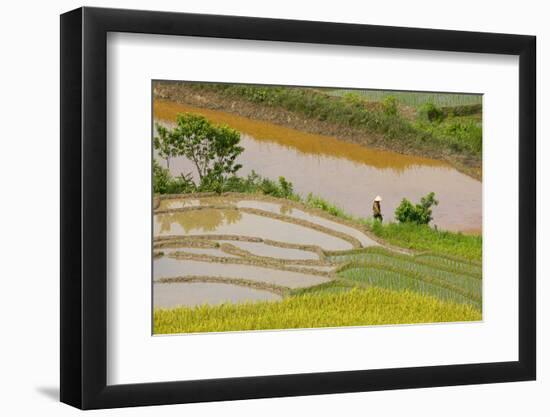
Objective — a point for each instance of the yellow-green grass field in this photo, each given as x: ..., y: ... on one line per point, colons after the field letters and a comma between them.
x: 356, y: 307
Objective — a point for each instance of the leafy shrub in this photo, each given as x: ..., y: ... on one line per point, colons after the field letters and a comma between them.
x: 252, y: 183
x: 164, y: 183
x: 390, y: 106
x: 161, y: 176
x: 353, y: 99
x: 416, y: 213
x: 430, y: 112
x: 466, y: 134
x: 287, y: 188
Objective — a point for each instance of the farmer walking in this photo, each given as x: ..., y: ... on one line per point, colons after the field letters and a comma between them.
x: 376, y: 210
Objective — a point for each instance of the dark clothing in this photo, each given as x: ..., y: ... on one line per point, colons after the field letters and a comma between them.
x: 376, y: 211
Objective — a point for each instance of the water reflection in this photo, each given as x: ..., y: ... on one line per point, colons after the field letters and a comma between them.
x: 233, y: 222
x: 205, y: 220
x: 343, y: 173
x: 307, y: 143
x: 192, y: 294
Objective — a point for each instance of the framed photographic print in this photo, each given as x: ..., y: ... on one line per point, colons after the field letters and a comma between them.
x: 257, y: 208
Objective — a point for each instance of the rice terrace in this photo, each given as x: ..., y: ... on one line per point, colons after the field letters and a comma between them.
x: 294, y: 207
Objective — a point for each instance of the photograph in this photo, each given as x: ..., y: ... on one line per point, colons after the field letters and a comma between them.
x: 298, y: 207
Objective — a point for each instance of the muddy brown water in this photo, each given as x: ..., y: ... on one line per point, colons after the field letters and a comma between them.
x: 346, y: 174
x: 210, y: 221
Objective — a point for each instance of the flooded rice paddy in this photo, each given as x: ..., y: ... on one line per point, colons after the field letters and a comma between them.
x: 212, y: 238
x: 169, y: 267
x: 300, y: 214
x: 270, y: 251
x: 198, y: 251
x: 191, y: 294
x: 209, y: 221
x: 271, y: 244
x: 346, y: 174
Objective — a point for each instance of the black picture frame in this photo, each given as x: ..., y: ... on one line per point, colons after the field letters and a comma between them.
x: 84, y: 207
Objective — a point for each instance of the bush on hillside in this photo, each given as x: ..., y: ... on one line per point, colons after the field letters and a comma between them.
x: 408, y: 212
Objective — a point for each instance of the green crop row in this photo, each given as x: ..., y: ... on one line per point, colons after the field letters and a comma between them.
x: 397, y: 281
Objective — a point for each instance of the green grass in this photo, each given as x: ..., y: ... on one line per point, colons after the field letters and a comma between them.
x: 317, y: 202
x: 435, y: 275
x: 453, y: 263
x: 425, y: 238
x: 410, y: 235
x: 416, y: 263
x: 254, y: 184
x: 393, y: 129
x: 415, y: 99
x: 165, y: 183
x: 335, y: 286
x: 400, y: 280
x: 358, y: 307
x: 459, y: 132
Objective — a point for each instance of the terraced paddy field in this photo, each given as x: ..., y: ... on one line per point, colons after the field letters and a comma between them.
x: 252, y: 262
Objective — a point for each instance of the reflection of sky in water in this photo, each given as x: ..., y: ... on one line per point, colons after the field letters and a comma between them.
x: 205, y: 220
x: 351, y: 176
x: 219, y: 222
x: 191, y: 294
x: 169, y: 267
x: 262, y: 249
x: 302, y: 215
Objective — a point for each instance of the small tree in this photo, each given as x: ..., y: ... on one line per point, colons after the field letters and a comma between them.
x: 419, y: 213
x: 212, y: 149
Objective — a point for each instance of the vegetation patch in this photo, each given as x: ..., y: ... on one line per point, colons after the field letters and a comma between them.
x: 351, y: 116
x: 430, y: 260
x: 357, y: 307
x: 425, y: 238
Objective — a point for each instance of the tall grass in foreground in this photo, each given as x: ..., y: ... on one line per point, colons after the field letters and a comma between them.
x: 358, y: 307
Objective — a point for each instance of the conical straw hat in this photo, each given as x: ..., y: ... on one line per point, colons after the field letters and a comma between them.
x: 378, y: 198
